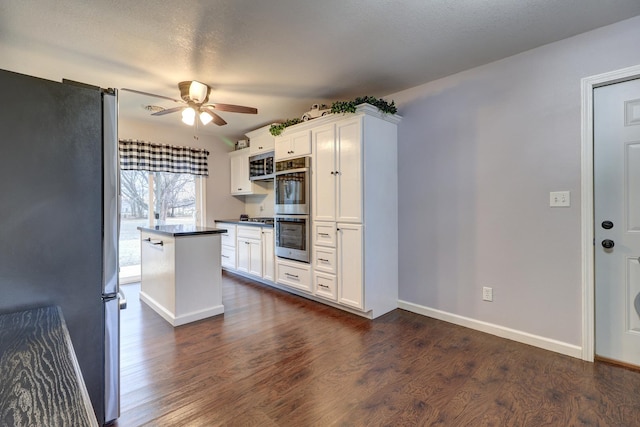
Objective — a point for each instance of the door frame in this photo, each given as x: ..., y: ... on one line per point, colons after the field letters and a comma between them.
x: 588, y: 221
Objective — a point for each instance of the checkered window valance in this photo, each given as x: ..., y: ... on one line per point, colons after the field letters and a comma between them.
x: 149, y: 156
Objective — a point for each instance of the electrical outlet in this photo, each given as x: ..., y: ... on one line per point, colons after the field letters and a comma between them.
x: 487, y: 293
x: 560, y: 199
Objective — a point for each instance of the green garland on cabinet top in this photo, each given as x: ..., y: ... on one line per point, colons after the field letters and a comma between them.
x: 341, y: 107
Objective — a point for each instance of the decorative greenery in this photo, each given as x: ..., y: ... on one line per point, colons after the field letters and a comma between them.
x: 342, y: 107
x: 350, y: 106
x: 277, y: 128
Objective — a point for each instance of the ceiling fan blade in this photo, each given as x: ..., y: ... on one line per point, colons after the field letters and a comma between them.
x: 216, y: 118
x: 152, y: 94
x: 168, y: 111
x: 234, y: 108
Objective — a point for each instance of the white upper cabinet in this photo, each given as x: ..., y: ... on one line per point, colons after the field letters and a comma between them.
x: 240, y: 182
x: 260, y: 141
x: 337, y: 171
x: 292, y: 144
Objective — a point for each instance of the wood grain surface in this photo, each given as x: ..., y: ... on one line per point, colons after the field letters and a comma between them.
x: 275, y: 359
x: 40, y: 382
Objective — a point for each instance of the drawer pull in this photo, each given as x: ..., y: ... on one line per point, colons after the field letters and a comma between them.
x: 322, y: 259
x: 324, y: 234
x: 323, y: 286
x: 154, y: 242
x: 294, y: 276
x: 225, y: 256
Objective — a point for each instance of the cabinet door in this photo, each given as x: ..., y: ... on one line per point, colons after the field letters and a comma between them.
x: 350, y: 265
x: 323, y: 172
x: 297, y: 144
x: 228, y: 256
x: 301, y: 144
x: 268, y: 254
x: 228, y: 238
x: 349, y: 167
x: 243, y: 253
x: 239, y: 164
x: 261, y: 144
x: 282, y: 147
x: 255, y: 257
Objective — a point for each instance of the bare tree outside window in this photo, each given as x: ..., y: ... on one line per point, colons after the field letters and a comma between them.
x: 174, y: 203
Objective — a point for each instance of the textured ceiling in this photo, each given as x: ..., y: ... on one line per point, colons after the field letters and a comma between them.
x: 279, y: 56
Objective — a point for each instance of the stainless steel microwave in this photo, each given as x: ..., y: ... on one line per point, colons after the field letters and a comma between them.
x: 261, y: 167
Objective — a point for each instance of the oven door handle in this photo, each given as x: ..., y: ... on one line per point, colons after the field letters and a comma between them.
x: 284, y: 172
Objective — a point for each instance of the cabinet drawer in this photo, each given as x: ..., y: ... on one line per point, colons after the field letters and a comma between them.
x: 324, y: 234
x: 228, y: 238
x: 325, y: 259
x: 250, y: 232
x: 325, y: 286
x: 228, y: 257
x: 294, y: 275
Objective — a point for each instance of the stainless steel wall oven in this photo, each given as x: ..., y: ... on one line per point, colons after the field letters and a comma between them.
x: 292, y: 237
x: 292, y: 186
x: 292, y: 205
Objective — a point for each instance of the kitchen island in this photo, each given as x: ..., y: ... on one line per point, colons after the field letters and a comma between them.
x: 181, y: 276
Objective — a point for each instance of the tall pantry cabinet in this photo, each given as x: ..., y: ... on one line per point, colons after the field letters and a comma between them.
x: 355, y: 210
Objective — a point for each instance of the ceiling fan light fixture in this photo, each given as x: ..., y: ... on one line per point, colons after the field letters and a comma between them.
x: 205, y: 118
x: 188, y: 116
x: 198, y: 92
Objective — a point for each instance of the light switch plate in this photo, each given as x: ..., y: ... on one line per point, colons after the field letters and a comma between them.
x: 560, y: 199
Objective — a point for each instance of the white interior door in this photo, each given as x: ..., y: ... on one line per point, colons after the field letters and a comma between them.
x: 617, y: 221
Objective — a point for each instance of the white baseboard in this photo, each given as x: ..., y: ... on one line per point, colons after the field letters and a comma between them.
x: 184, y: 318
x: 497, y: 330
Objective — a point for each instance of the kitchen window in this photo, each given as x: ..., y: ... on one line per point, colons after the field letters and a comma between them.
x: 154, y: 193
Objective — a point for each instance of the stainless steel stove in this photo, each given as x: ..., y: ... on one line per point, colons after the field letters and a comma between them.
x: 262, y: 220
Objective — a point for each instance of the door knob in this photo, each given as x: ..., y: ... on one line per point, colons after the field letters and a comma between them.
x: 608, y: 244
x: 607, y: 225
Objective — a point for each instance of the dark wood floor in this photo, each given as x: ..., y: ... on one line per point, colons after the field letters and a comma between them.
x: 274, y: 359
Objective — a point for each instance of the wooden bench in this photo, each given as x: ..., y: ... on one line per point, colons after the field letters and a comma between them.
x: 40, y: 380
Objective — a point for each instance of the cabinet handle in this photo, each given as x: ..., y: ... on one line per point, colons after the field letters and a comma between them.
x: 239, y: 189
x: 322, y: 259
x: 154, y: 242
x: 324, y: 234
x: 291, y: 275
x: 259, y: 148
x: 333, y: 173
x: 337, y: 172
x: 225, y: 256
x: 323, y: 286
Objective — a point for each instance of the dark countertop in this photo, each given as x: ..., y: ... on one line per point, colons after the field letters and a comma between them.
x: 41, y: 381
x: 180, y: 230
x: 249, y: 223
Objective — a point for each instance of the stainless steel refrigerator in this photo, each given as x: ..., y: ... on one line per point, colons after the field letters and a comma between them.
x: 59, y: 217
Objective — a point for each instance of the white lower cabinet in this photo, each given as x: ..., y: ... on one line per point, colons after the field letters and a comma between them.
x: 338, y: 271
x: 350, y: 266
x: 325, y: 285
x: 268, y: 254
x: 249, y: 248
x: 228, y: 242
x: 294, y: 274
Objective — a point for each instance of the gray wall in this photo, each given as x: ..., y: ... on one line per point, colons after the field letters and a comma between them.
x: 479, y: 152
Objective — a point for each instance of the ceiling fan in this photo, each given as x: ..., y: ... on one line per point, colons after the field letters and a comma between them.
x: 195, y: 96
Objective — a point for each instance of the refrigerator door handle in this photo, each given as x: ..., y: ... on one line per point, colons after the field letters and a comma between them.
x: 123, y: 300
